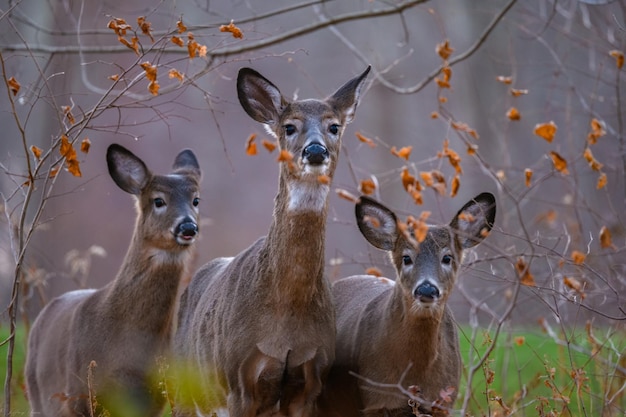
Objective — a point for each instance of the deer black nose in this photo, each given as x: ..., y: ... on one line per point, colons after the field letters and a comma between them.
x: 315, y: 153
x: 187, y: 230
x: 426, y: 292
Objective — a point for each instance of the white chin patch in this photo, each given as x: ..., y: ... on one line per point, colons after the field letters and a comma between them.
x: 308, y: 196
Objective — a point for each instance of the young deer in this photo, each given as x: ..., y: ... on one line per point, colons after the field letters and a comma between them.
x: 126, y: 325
x: 401, y: 332
x: 259, y: 328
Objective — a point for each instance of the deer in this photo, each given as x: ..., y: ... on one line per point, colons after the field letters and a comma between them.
x: 93, y: 351
x: 259, y: 328
x: 401, y: 333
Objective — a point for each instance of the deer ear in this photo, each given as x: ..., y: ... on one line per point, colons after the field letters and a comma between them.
x: 127, y: 170
x: 346, y: 99
x: 377, y: 223
x: 259, y: 97
x: 474, y: 221
x: 186, y: 161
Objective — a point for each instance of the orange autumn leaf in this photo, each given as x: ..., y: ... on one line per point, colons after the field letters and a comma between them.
x: 285, y: 156
x: 427, y: 177
x: 181, y: 26
x: 36, y: 152
x: 231, y: 28
x: 372, y: 270
x: 14, y: 85
x: 444, y: 50
x: 251, y: 145
x: 546, y: 130
x: 575, y: 285
x: 323, y: 179
x: 578, y: 257
x: 593, y: 162
x: 518, y: 92
x: 408, y: 179
x: 369, y: 142
x: 85, y: 145
x: 434, y: 115
x: 443, y: 99
x: 445, y: 81
x: 513, y: 114
x: 403, y: 153
x: 523, y: 271
x: 471, y: 149
x: 176, y: 40
x: 504, y: 79
x: 114, y: 77
x: 520, y: 340
x: 270, y: 146
x: 619, y: 57
x: 174, y: 73
x: 144, y: 25
x: 153, y: 87
x: 464, y: 127
x: 67, y: 111
x: 454, y: 186
x: 453, y: 158
x: 605, y: 238
x: 415, y: 193
x: 119, y: 26
x: 346, y: 195
x: 133, y: 44
x: 528, y: 175
x: 597, y: 131
x: 69, y: 153
x: 602, y: 180
x: 466, y: 216
x: 150, y: 70
x: 419, y: 226
x: 560, y: 164
x: 367, y: 186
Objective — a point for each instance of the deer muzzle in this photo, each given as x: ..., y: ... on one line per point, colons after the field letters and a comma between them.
x: 426, y: 292
x: 315, y: 154
x: 186, y: 231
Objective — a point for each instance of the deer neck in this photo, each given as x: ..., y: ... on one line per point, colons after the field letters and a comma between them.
x: 293, y: 255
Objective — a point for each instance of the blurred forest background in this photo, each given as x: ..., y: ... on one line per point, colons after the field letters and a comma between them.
x: 524, y: 99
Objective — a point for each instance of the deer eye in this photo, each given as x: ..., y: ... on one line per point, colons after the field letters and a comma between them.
x: 406, y: 260
x: 159, y: 202
x: 446, y: 259
x: 195, y: 202
x: 289, y: 129
x: 334, y: 129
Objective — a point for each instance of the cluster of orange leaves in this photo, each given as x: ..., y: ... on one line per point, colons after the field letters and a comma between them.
x: 231, y: 28
x: 67, y: 151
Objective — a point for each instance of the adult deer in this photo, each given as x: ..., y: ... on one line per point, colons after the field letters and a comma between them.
x: 126, y: 325
x: 402, y: 332
x: 259, y: 328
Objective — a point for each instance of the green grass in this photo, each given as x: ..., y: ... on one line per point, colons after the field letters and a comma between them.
x: 527, y: 373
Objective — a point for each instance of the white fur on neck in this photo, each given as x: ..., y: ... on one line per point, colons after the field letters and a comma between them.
x: 307, y: 196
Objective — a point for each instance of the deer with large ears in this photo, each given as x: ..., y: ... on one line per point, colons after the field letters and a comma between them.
x: 126, y: 325
x: 259, y: 329
x: 402, y: 332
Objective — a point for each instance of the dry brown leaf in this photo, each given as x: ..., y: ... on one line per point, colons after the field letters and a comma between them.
x: 144, y: 25
x: 181, y: 26
x: 251, y: 145
x: 372, y: 270
x: 150, y: 70
x: 517, y: 92
x: 114, y: 77
x: 597, y: 131
x: 546, y: 130
x: 578, y: 257
x: 602, y: 180
x: 174, y: 73
x: 504, y: 79
x: 454, y: 186
x: 153, y: 87
x: 346, y: 195
x: 464, y: 127
x: 523, y: 271
x: 444, y: 50
x: 323, y: 179
x: 85, y: 145
x: 119, y: 26
x: 367, y: 186
x: 285, y: 156
x: 133, y: 44
x: 513, y: 114
x: 231, y: 28
x: 270, y: 146
x: 14, y: 85
x: 403, y: 153
x: 444, y: 82
x: 419, y: 226
x: 560, y: 164
x: 67, y: 111
x: 619, y: 57
x: 443, y: 99
x: 416, y: 194
x: 434, y: 115
x: 453, y: 158
x: 69, y: 153
x: 593, y: 162
x: 605, y: 238
x: 528, y: 175
x: 575, y: 285
x: 427, y: 177
x: 466, y: 216
x: 36, y: 152
x: 369, y: 142
x: 408, y: 179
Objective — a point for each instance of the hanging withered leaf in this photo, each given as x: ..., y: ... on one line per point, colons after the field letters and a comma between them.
x: 409, y: 180
x: 619, y: 57
x: 346, y: 195
x: 372, y: 270
x: 286, y: 157
x: 144, y: 25
x: 560, y: 164
x: 444, y: 50
x: 67, y: 111
x: 251, y: 145
x: 369, y: 142
x: 85, y: 145
x: 453, y: 158
x: 419, y: 226
x: 367, y: 186
x: 150, y: 70
x: 270, y: 146
x: 605, y: 238
x: 133, y: 44
x: 444, y: 82
x: 513, y: 114
x: 523, y: 272
x: 602, y: 180
x: 597, y: 131
x: 180, y: 26
x: 69, y: 153
x: 593, y: 162
x: 119, y: 26
x: 464, y: 127
x: 434, y: 115
x: 546, y: 130
x: 416, y: 193
x: 36, y: 152
x: 176, y: 40
x: 578, y: 257
x: 231, y: 28
x: 14, y: 86
x: 323, y: 179
x: 454, y: 186
x: 153, y: 87
x: 575, y: 285
x: 528, y: 175
x: 114, y: 77
x: 403, y: 153
x: 194, y: 48
x: 504, y: 79
x: 174, y: 73
x: 515, y: 92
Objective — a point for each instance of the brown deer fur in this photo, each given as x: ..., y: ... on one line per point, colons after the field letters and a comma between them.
x: 124, y: 326
x: 258, y: 329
